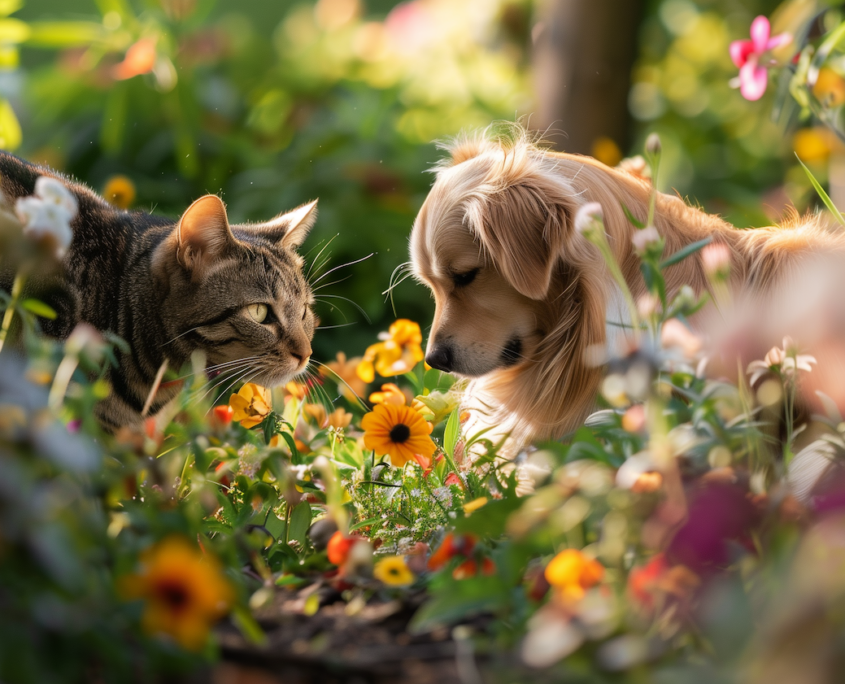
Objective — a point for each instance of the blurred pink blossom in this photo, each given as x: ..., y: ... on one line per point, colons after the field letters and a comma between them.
x: 747, y: 55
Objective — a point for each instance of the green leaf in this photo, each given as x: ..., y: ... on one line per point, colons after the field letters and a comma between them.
x: 364, y: 523
x: 62, y: 34
x: 10, y: 130
x: 300, y: 521
x: 38, y: 308
x: 275, y: 526
x: 460, y: 600
x: 247, y: 626
x: 820, y: 190
x: 113, y: 127
x: 453, y: 431
x: 633, y: 219
x: 682, y: 254
x: 438, y: 381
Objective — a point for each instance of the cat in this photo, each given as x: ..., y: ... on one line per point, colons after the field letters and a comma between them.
x: 170, y: 288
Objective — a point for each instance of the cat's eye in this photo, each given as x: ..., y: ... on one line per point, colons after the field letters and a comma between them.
x: 257, y: 312
x: 464, y: 279
x: 304, y: 312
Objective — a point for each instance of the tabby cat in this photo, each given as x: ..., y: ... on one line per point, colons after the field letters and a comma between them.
x: 237, y: 293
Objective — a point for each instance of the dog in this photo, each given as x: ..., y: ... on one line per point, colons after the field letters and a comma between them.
x: 523, y: 300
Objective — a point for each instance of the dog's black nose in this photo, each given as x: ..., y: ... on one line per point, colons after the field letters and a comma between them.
x: 440, y: 358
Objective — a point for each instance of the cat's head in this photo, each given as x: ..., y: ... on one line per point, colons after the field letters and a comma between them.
x: 238, y: 292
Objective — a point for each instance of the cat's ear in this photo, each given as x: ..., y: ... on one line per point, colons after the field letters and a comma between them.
x: 291, y: 227
x: 203, y: 234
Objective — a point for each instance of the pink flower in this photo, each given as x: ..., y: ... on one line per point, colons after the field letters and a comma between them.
x: 747, y: 54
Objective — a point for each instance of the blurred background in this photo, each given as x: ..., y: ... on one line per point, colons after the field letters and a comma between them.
x: 275, y: 103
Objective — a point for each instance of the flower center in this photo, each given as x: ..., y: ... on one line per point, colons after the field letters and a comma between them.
x: 174, y: 594
x: 400, y: 433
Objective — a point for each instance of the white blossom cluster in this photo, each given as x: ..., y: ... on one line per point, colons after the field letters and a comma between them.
x: 46, y: 215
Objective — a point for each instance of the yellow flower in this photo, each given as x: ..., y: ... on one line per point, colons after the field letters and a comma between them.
x: 572, y: 573
x: 297, y: 390
x: 119, y: 192
x: 317, y: 412
x: 393, y: 571
x: 339, y: 419
x: 398, y: 353
x: 184, y: 591
x: 390, y: 394
x: 251, y: 405
x: 829, y: 88
x: 343, y: 372
x: 474, y: 505
x: 398, y: 431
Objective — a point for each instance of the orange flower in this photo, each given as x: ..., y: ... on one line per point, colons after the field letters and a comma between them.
x: 390, y: 394
x: 398, y: 353
x: 452, y: 545
x: 119, y: 192
x: 317, y: 412
x: 339, y: 419
x: 572, y: 573
x: 184, y: 591
x: 251, y: 405
x: 222, y: 415
x: 398, y: 431
x: 339, y: 547
x: 469, y: 569
x: 657, y: 578
x: 344, y: 373
x: 297, y: 390
x: 140, y: 59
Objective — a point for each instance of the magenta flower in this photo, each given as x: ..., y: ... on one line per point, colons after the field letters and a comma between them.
x: 747, y: 55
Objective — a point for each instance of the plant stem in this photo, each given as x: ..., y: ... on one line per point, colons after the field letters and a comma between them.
x: 17, y: 288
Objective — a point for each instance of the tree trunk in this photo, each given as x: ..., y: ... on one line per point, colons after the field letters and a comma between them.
x: 584, y: 53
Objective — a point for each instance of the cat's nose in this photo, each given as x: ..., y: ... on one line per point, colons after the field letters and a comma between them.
x: 301, y: 355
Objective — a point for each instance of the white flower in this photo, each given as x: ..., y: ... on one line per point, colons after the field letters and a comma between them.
x: 54, y: 192
x: 645, y: 238
x: 47, y: 214
x: 587, y: 217
x: 785, y: 360
x: 45, y: 221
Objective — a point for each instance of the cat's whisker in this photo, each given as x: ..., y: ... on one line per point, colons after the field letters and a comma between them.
x: 355, y: 304
x: 349, y: 263
x: 339, y: 325
x: 334, y: 282
x: 308, y: 275
x: 338, y: 378
x: 239, y: 375
x: 210, y: 386
x: 241, y: 378
x: 181, y: 335
x: 215, y: 367
x: 335, y: 308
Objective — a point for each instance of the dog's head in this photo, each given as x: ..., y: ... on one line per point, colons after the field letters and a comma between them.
x: 488, y: 242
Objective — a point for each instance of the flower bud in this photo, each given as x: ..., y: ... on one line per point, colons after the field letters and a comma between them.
x: 716, y: 259
x: 653, y: 145
x: 645, y: 238
x: 588, y: 216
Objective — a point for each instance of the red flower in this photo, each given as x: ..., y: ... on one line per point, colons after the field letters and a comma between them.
x: 747, y: 54
x: 339, y: 547
x: 469, y: 568
x: 453, y: 545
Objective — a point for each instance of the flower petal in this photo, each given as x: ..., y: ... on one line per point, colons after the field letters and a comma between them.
x: 740, y: 49
x: 753, y: 80
x: 760, y: 31
x: 778, y: 41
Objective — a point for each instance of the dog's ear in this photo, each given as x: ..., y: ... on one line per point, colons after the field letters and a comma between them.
x: 522, y: 228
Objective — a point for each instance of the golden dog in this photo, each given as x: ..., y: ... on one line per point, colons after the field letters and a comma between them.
x: 521, y: 297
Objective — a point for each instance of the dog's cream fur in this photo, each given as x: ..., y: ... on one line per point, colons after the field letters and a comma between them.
x: 503, y: 205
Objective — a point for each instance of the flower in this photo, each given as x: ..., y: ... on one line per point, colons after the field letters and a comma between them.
x: 184, y: 591
x: 222, y: 415
x: 390, y: 394
x: 317, y: 412
x: 658, y: 579
x: 716, y: 260
x: 119, y: 192
x: 343, y: 371
x: 676, y: 334
x: 472, y: 506
x: 398, y: 353
x: 588, y: 218
x: 140, y: 59
x: 297, y: 390
x: 747, y: 56
x: 572, y: 573
x: 251, y: 405
x: 46, y: 216
x: 645, y: 238
x: 469, y: 568
x: 393, y: 571
x: 398, y: 431
x: 339, y: 419
x: 340, y: 546
x: 829, y: 88
x: 451, y: 546
x: 778, y: 360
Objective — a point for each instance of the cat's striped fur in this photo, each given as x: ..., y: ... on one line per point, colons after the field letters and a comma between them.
x: 170, y: 288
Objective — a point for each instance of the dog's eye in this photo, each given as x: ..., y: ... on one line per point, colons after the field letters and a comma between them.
x: 464, y: 279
